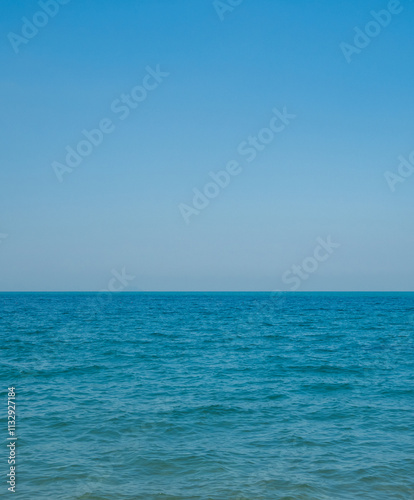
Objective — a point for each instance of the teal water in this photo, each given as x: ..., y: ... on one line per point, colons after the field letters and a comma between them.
x: 221, y: 396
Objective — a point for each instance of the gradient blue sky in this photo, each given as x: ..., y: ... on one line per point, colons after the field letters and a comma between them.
x: 323, y: 175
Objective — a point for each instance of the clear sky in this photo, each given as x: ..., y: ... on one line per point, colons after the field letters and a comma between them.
x: 203, y: 80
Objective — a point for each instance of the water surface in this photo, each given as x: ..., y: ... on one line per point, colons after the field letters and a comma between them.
x: 220, y: 396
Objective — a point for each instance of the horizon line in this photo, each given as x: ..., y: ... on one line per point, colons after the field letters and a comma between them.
x: 275, y: 292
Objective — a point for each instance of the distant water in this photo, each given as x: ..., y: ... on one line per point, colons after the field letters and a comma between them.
x: 224, y: 396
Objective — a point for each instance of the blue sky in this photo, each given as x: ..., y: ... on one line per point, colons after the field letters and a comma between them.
x: 322, y: 175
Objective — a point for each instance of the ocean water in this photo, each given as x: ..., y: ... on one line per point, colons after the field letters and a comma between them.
x: 212, y: 396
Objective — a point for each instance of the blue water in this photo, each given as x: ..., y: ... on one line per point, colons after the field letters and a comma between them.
x: 221, y: 396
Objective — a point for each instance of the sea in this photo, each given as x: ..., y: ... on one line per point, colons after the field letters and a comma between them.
x: 209, y: 396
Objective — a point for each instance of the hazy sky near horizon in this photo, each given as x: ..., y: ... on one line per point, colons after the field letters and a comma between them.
x: 204, y: 88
